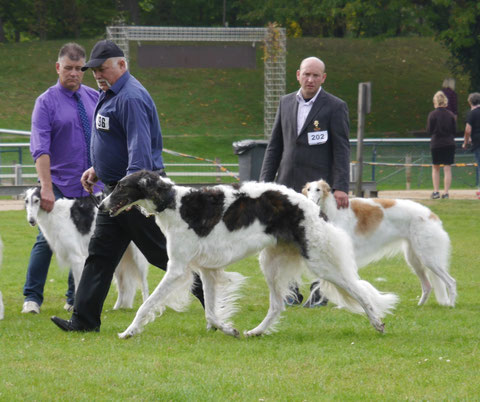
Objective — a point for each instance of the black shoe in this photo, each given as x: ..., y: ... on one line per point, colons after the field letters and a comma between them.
x: 69, y: 326
x: 316, y: 299
x: 435, y: 195
x: 295, y: 299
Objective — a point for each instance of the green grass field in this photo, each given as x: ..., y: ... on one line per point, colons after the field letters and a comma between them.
x: 427, y: 353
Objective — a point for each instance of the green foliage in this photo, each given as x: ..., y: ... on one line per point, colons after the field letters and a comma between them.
x: 386, y: 18
x: 314, y: 18
x: 184, y: 13
x: 457, y: 26
x: 427, y: 353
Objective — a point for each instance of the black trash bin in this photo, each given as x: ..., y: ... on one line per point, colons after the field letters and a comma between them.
x: 250, y: 158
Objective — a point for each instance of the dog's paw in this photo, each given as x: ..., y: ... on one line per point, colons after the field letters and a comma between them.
x: 126, y: 334
x: 380, y: 327
x: 211, y: 327
x: 252, y: 333
x: 231, y: 331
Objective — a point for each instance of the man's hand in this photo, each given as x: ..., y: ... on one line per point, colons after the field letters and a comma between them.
x: 88, y: 180
x: 47, y: 199
x: 341, y: 198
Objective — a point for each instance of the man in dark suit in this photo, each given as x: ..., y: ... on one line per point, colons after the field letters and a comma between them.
x: 309, y: 142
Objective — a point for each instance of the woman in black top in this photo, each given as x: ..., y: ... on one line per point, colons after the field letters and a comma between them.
x: 441, y: 126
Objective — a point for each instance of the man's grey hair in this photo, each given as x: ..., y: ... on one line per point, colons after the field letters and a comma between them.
x: 474, y: 98
x: 116, y: 60
x: 73, y: 51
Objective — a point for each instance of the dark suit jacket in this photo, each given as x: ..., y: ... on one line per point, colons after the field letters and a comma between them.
x: 297, y: 162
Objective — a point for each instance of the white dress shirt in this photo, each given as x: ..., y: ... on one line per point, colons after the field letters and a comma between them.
x: 304, y: 108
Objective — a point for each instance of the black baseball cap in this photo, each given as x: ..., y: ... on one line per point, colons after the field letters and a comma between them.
x: 102, y: 51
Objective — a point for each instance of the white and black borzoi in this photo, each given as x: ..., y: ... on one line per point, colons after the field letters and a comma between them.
x: 383, y: 227
x: 211, y: 227
x: 1, y: 298
x: 68, y: 229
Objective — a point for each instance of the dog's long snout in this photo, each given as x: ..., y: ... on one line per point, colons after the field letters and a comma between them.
x: 105, y: 206
x: 102, y: 207
x: 32, y: 222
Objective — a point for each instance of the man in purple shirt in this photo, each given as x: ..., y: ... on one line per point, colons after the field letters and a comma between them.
x: 59, y: 148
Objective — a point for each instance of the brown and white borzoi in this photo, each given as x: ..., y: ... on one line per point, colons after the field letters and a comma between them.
x: 209, y: 228
x: 382, y: 227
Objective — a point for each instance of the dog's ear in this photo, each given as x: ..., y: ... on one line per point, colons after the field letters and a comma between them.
x: 33, y: 191
x: 324, y: 187
x: 305, y: 189
x: 148, y: 181
x: 155, y: 188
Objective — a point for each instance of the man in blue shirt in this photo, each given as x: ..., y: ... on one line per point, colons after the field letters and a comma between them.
x: 126, y: 137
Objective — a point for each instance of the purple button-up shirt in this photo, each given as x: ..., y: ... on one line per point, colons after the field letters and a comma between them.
x: 57, y: 131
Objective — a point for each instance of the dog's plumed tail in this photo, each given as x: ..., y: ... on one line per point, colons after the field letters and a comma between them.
x: 127, y: 279
x: 440, y: 290
x: 381, y: 303
x: 227, y: 293
x: 178, y: 301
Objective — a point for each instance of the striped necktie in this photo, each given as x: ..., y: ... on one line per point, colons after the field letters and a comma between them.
x: 85, y: 124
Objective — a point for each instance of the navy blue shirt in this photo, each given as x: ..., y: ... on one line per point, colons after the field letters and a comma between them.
x: 126, y: 131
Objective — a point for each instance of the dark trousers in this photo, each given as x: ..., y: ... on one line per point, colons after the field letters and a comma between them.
x: 111, y: 238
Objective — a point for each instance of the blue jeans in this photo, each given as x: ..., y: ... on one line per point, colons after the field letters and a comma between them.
x: 38, y: 265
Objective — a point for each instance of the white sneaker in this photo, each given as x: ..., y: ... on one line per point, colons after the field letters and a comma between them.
x: 68, y: 307
x: 31, y: 307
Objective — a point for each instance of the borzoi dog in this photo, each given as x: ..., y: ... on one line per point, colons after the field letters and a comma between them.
x: 209, y: 228
x: 382, y: 227
x: 1, y: 298
x: 68, y: 229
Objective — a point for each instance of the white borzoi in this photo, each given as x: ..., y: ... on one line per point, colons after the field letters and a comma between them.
x: 1, y: 298
x: 68, y: 229
x: 383, y: 227
x: 211, y: 227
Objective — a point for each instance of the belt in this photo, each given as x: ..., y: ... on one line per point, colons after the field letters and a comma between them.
x: 109, y: 187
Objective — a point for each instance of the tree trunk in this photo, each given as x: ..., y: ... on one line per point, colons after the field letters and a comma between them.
x: 3, y: 39
x: 131, y: 8
x: 41, y: 14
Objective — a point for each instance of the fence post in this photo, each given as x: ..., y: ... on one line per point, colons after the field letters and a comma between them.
x: 364, y: 105
x: 18, y: 174
x: 219, y: 178
x: 408, y: 170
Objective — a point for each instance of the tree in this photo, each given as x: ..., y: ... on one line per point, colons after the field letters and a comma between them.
x: 17, y: 18
x: 384, y: 18
x: 312, y: 17
x: 457, y: 26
